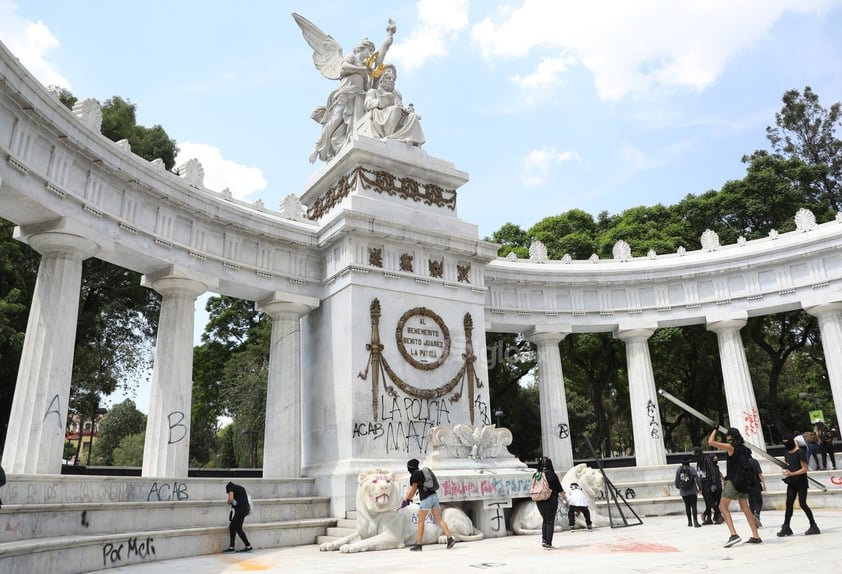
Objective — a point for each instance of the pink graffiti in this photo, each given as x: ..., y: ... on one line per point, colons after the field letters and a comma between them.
x: 484, y: 487
x: 751, y: 422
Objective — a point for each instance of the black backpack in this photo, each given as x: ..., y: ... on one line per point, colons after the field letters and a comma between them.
x: 685, y: 477
x: 744, y: 474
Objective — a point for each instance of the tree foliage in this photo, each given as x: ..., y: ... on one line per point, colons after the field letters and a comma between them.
x: 123, y: 420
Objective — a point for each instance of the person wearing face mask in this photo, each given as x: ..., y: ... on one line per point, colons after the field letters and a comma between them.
x: 735, y: 449
x: 795, y: 477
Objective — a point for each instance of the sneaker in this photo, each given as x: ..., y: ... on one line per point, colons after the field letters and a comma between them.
x: 812, y: 530
x: 753, y: 540
x: 229, y: 550
x: 415, y: 548
x: 707, y: 521
x: 545, y: 545
x: 549, y: 547
x: 590, y: 528
x: 734, y: 539
x: 450, y: 542
x: 785, y: 531
x: 246, y: 549
x: 757, y: 521
x: 718, y: 520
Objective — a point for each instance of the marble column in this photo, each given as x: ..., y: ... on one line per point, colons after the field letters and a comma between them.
x: 643, y: 398
x: 166, y: 452
x: 830, y: 325
x: 282, y: 435
x: 555, y: 423
x: 37, y: 422
x: 739, y: 391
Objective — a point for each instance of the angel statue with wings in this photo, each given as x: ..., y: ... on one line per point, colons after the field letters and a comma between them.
x: 356, y: 73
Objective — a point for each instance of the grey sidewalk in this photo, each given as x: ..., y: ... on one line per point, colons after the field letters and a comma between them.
x: 660, y: 544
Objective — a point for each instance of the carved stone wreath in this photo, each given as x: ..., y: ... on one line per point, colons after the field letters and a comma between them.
x: 400, y: 334
x: 383, y: 182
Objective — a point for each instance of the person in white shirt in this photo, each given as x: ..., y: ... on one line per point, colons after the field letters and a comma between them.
x: 577, y: 501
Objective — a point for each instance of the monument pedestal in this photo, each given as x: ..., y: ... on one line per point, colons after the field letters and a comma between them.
x: 397, y: 345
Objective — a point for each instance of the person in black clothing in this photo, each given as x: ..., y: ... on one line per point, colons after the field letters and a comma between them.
x: 428, y: 502
x: 689, y: 492
x: 755, y: 495
x: 825, y: 434
x: 736, y: 450
x: 711, y: 486
x: 238, y: 498
x: 795, y: 477
x: 549, y: 507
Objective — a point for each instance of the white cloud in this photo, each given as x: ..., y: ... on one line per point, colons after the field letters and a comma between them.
x: 538, y: 162
x: 440, y: 21
x: 634, y: 47
x: 221, y: 173
x: 30, y: 42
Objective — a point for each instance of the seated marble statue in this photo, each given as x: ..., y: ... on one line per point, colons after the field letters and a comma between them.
x: 386, y: 117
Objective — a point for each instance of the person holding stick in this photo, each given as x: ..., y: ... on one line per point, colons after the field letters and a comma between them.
x: 736, y: 450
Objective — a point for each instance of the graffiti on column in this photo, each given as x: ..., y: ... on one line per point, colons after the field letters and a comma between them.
x: 482, y: 408
x: 563, y: 430
x: 654, y: 426
x: 751, y: 422
x: 177, y: 428
x: 53, y: 409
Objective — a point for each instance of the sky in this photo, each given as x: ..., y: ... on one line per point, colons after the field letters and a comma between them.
x: 548, y: 105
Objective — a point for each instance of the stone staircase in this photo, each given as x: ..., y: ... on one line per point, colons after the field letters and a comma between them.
x: 344, y: 527
x: 69, y: 525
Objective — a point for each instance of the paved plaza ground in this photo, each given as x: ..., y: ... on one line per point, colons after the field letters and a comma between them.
x: 660, y: 544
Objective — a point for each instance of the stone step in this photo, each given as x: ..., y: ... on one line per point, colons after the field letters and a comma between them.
x: 84, y: 553
x: 340, y: 532
x: 32, y: 521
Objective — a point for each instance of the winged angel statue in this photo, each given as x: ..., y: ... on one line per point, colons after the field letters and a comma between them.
x: 356, y: 72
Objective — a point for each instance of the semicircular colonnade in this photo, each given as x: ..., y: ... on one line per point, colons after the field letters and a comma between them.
x: 74, y: 194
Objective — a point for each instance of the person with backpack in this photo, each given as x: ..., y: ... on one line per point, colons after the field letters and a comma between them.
x: 738, y: 481
x: 825, y: 434
x: 548, y: 506
x: 711, y: 484
x: 795, y: 477
x: 424, y: 482
x: 687, y: 483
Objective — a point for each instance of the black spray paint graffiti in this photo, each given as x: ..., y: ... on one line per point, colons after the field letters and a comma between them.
x: 178, y: 491
x: 404, y: 423
x: 654, y: 427
x: 482, y: 409
x: 498, y: 520
x: 133, y: 549
x: 563, y: 430
x: 53, y: 409
x: 178, y: 430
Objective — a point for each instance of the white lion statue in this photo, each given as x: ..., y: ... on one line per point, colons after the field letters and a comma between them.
x: 381, y: 527
x: 527, y: 520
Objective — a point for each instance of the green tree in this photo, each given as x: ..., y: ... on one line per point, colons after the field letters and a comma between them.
x: 123, y: 420
x: 511, y: 238
x: 119, y: 122
x: 572, y: 233
x: 18, y: 270
x: 510, y: 360
x: 130, y: 450
x: 807, y: 131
